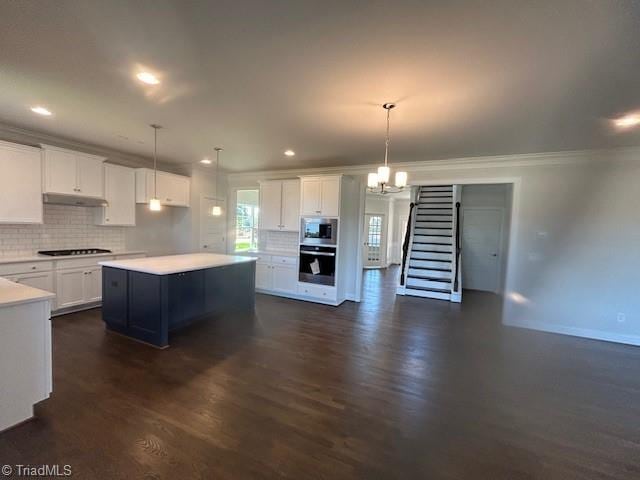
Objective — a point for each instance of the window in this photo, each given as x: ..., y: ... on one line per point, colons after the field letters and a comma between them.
x: 246, y: 220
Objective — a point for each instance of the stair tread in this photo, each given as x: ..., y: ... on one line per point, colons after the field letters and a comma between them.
x: 425, y: 289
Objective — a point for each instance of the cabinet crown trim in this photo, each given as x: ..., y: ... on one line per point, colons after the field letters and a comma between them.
x: 18, y: 146
x: 44, y: 146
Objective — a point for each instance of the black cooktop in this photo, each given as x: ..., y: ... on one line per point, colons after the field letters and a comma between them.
x: 75, y: 251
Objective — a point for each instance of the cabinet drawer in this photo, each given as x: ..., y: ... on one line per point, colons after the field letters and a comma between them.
x: 81, y: 262
x: 263, y: 259
x: 282, y: 260
x: 26, y: 267
x: 317, y: 291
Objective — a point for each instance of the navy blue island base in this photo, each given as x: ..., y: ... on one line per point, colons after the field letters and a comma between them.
x: 147, y: 306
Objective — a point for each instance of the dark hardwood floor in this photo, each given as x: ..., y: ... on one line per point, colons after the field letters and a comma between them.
x: 397, y: 388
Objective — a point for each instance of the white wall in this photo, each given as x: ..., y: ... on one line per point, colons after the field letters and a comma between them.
x: 574, y: 259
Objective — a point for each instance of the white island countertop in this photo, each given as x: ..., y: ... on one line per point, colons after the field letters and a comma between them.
x: 12, y: 293
x: 171, y: 264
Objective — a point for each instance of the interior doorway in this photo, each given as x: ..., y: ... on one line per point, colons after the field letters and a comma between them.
x: 375, y: 244
x: 485, y: 235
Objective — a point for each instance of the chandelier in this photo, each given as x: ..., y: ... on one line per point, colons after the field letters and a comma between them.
x: 378, y: 182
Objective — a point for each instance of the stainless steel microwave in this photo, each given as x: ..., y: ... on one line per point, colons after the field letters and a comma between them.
x: 318, y: 231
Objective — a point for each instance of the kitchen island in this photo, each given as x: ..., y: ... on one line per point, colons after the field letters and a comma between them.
x: 146, y: 298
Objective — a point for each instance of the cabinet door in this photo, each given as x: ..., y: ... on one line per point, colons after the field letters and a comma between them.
x: 93, y: 284
x: 120, y: 193
x: 285, y: 279
x: 264, y: 277
x: 180, y: 191
x: 43, y: 280
x: 271, y: 205
x: 311, y: 196
x: 61, y: 172
x: 90, y: 177
x: 291, y: 205
x: 20, y: 184
x: 186, y: 297
x: 330, y: 197
x: 70, y: 285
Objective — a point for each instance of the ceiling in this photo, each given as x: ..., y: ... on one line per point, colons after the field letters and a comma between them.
x: 258, y: 77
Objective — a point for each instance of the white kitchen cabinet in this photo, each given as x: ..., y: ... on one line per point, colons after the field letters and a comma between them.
x: 20, y: 184
x: 41, y: 280
x: 279, y: 205
x: 264, y: 276
x: 320, y: 196
x: 68, y: 172
x: 70, y: 287
x: 120, y: 193
x: 285, y: 278
x: 93, y: 285
x: 291, y: 205
x: 172, y: 190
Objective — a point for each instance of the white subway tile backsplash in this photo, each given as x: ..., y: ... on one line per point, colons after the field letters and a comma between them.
x: 64, y: 226
x: 279, y: 241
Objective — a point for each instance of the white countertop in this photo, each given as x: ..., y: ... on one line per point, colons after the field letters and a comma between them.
x: 177, y: 263
x: 15, y: 293
x: 43, y: 258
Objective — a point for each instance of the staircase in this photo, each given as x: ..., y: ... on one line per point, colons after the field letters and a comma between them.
x: 431, y: 253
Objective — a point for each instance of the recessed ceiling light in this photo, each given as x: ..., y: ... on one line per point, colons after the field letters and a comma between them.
x: 206, y: 161
x: 289, y: 153
x: 628, y: 121
x: 148, y: 78
x: 41, y: 111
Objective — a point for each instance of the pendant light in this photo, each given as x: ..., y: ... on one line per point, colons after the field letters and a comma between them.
x: 378, y: 182
x: 154, y: 202
x: 216, y: 211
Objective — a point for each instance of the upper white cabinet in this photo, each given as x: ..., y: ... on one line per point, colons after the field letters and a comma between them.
x: 120, y: 193
x: 20, y: 184
x: 279, y: 205
x: 320, y: 196
x: 68, y: 172
x: 172, y: 189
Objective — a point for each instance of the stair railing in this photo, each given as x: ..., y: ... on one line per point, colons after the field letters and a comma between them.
x: 407, y: 241
x: 458, y: 248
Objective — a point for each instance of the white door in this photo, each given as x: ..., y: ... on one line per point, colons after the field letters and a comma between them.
x: 291, y: 205
x: 481, y: 248
x: 212, y: 227
x: 70, y: 288
x: 311, y: 194
x: 375, y: 241
x: 90, y: 177
x: 120, y: 193
x: 270, y: 205
x: 61, y: 172
x: 330, y: 197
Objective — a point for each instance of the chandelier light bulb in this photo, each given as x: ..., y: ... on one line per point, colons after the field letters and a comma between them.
x: 372, y: 180
x: 383, y: 174
x: 401, y: 179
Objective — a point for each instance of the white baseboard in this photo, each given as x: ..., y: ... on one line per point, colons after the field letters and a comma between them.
x: 577, y: 332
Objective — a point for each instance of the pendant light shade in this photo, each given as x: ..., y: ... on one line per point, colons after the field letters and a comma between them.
x: 216, y: 211
x: 372, y: 180
x: 401, y: 179
x: 383, y: 174
x: 154, y: 203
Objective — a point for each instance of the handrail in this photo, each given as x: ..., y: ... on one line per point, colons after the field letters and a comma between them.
x: 405, y: 245
x: 458, y: 247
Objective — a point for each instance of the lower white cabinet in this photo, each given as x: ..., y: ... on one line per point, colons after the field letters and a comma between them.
x: 277, y: 274
x: 41, y: 280
x: 70, y: 288
x: 320, y: 292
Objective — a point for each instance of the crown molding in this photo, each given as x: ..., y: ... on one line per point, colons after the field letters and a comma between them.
x: 462, y: 163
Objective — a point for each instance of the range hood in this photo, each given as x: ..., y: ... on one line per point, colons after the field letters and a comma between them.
x: 62, y: 199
